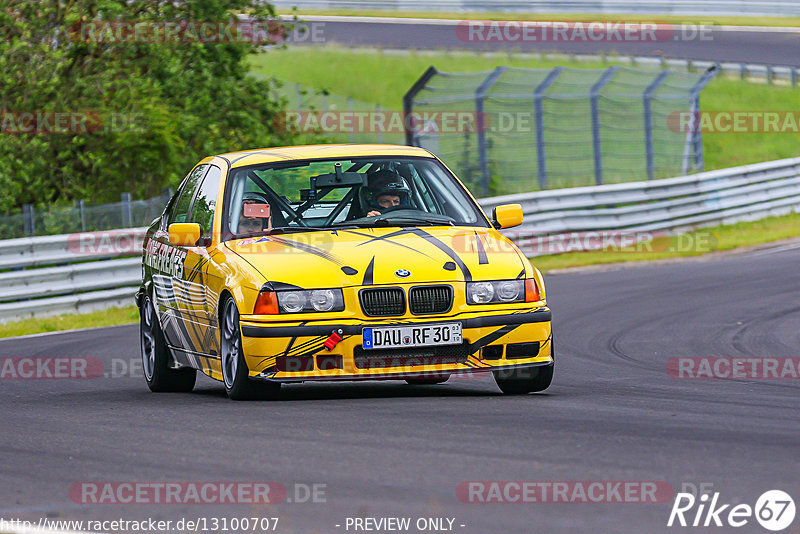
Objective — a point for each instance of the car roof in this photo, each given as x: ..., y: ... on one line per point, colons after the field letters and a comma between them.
x: 288, y: 153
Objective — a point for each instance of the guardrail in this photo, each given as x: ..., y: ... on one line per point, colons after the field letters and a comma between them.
x: 659, y: 7
x: 672, y: 205
x: 80, y: 272
x: 69, y: 272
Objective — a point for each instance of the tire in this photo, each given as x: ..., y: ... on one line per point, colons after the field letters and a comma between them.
x: 235, y: 373
x: 426, y: 381
x: 156, y: 358
x: 524, y: 380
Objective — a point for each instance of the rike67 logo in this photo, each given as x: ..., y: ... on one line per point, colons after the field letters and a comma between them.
x: 774, y: 510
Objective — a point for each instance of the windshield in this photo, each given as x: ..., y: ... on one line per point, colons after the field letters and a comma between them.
x: 361, y: 192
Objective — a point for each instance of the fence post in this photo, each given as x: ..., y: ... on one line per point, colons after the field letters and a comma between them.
x: 28, y: 220
x: 648, y: 121
x: 298, y: 97
x: 127, y: 211
x: 408, y: 102
x: 350, y: 111
x: 480, y: 125
x: 770, y: 74
x: 793, y: 76
x: 694, y: 138
x: 594, y: 97
x: 378, y: 110
x: 81, y: 213
x: 538, y: 108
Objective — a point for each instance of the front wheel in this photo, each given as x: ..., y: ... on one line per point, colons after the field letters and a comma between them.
x: 158, y: 373
x: 234, y: 369
x: 524, y: 380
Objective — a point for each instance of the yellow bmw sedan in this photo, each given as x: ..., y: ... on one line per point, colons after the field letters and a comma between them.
x: 336, y: 262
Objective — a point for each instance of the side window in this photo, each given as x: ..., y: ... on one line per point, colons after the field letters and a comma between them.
x: 204, y: 204
x: 180, y: 211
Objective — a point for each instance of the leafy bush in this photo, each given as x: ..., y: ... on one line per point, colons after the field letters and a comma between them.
x: 155, y: 108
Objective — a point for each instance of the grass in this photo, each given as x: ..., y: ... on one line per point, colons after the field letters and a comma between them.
x: 108, y: 317
x: 696, y: 243
x: 556, y: 17
x: 382, y: 78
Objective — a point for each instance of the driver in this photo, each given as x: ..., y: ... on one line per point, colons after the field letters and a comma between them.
x: 388, y: 192
x: 252, y: 225
x: 384, y: 202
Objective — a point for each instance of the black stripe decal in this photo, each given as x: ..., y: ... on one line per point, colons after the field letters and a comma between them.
x: 489, y: 338
x: 368, y: 273
x: 444, y: 248
x: 388, y: 239
x: 521, y: 274
x: 310, y: 249
x: 482, y: 259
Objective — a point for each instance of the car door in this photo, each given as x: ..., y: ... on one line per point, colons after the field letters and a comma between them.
x: 199, y: 304
x: 174, y: 274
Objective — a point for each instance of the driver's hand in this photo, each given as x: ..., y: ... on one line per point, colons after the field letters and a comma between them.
x: 373, y: 213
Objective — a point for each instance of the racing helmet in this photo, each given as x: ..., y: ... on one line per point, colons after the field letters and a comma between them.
x: 387, y: 182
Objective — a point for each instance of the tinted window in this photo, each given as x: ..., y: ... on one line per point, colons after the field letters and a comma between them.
x: 204, y: 204
x: 180, y: 212
x: 359, y: 191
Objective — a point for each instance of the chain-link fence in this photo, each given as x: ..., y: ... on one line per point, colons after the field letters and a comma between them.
x: 537, y: 129
x: 340, y: 119
x: 80, y: 217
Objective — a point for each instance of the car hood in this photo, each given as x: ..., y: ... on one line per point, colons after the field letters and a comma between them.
x: 373, y: 256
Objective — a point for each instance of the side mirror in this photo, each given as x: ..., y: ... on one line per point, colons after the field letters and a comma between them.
x: 507, y: 215
x: 184, y: 234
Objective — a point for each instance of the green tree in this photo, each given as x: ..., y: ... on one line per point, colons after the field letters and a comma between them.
x: 154, y: 108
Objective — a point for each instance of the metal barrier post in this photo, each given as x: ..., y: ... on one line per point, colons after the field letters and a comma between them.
x: 350, y: 111
x: 127, y: 210
x: 298, y: 94
x: 27, y: 215
x: 483, y: 151
x: 694, y: 139
x: 648, y: 121
x: 408, y: 102
x: 594, y: 97
x: 82, y: 214
x: 380, y: 132
x: 538, y: 96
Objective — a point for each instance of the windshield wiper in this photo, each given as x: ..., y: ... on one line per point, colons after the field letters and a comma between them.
x: 410, y: 221
x: 292, y: 230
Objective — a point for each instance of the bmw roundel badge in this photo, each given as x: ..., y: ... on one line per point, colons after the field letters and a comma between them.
x: 402, y: 273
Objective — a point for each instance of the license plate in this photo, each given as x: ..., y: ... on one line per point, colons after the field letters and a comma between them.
x: 411, y: 336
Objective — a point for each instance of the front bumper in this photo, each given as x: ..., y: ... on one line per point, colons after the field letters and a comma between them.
x: 289, y: 351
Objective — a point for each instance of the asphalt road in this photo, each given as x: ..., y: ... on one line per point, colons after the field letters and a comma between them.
x: 386, y: 449
x: 751, y: 45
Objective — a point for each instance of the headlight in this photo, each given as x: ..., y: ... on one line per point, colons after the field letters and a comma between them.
x: 310, y: 300
x: 497, y: 292
x: 292, y: 301
x: 323, y: 300
x: 480, y: 292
